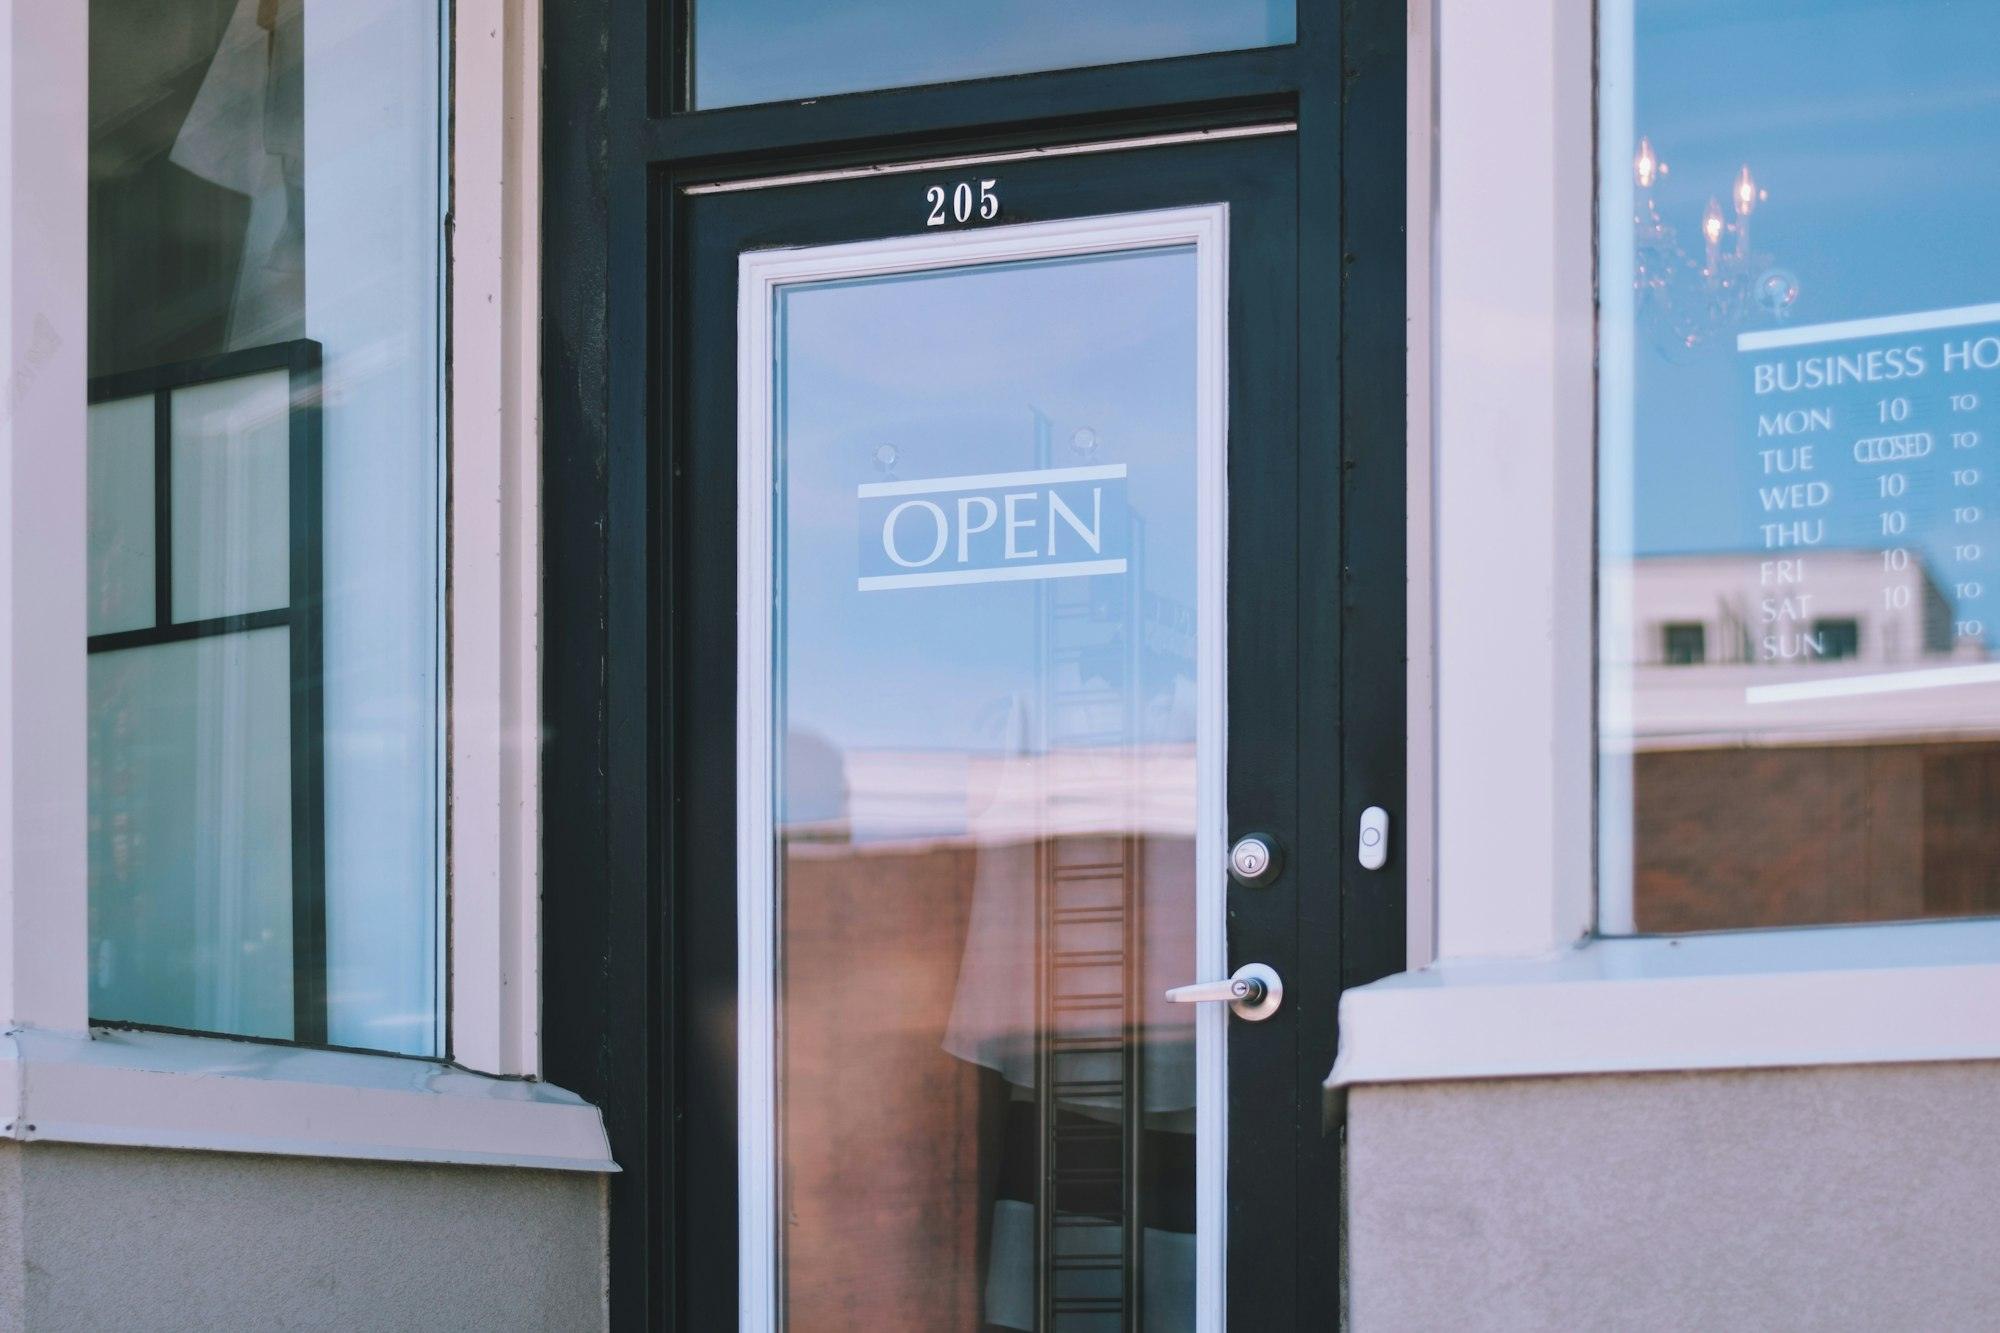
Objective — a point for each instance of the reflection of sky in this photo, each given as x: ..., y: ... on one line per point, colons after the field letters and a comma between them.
x: 770, y: 50
x: 949, y: 369
x: 1871, y: 123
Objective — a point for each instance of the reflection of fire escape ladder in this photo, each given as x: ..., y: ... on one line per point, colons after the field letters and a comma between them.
x: 1088, y: 1098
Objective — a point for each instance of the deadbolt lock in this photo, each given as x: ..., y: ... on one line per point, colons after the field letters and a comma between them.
x: 1255, y: 860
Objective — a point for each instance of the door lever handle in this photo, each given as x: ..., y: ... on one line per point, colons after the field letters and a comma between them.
x: 1211, y: 992
x: 1254, y: 992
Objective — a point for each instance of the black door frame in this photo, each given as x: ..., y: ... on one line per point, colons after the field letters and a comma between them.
x: 614, y: 156
x: 1267, y: 1098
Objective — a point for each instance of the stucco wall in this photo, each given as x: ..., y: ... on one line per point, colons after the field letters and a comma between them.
x: 116, y: 1238
x: 1849, y: 1198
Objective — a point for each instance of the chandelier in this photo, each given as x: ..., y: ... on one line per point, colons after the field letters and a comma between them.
x: 1688, y: 297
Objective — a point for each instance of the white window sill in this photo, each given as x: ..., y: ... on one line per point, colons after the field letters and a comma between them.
x: 158, y: 1090
x: 1747, y: 1000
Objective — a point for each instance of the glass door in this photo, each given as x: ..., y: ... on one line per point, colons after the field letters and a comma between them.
x: 1002, y: 496
x: 980, y: 771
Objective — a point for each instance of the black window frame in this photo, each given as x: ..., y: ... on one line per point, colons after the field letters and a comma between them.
x: 302, y: 616
x: 616, y: 148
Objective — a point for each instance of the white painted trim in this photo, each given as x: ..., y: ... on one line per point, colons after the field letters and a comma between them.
x: 1746, y: 1000
x: 988, y: 159
x: 1616, y: 477
x: 158, y: 1090
x: 1209, y: 229
x: 495, y: 573
x: 760, y: 274
x: 1513, y: 476
x: 44, y: 932
x: 757, y: 1204
x: 1418, y: 836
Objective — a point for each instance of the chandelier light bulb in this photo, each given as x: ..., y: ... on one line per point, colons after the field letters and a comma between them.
x: 1696, y: 293
x: 1645, y: 166
x: 1747, y: 193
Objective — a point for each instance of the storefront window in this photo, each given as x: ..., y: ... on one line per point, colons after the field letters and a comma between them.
x: 775, y: 50
x: 1799, y: 524
x: 264, y: 493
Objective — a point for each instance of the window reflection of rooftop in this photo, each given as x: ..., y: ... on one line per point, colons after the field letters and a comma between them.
x: 1784, y: 609
x: 1760, y: 649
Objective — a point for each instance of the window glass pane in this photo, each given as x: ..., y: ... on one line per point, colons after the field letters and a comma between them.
x: 231, y: 496
x: 986, y: 688
x: 772, y: 50
x: 190, y: 785
x: 120, y: 482
x: 265, y: 240
x: 1800, y: 516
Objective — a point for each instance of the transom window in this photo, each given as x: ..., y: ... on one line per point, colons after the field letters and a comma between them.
x: 778, y: 50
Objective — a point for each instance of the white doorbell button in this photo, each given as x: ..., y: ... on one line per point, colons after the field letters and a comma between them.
x: 1374, y: 848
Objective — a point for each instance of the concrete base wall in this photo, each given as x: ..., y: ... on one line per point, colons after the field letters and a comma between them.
x: 1859, y: 1197
x: 114, y: 1238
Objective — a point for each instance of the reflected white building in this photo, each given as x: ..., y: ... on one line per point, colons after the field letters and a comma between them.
x: 1828, y: 647
x: 1784, y: 607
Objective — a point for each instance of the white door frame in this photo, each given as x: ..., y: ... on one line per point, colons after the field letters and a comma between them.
x: 760, y: 274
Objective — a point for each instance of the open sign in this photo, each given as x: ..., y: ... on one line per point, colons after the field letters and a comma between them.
x: 997, y: 527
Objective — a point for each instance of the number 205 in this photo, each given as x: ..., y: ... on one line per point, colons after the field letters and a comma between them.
x: 962, y: 203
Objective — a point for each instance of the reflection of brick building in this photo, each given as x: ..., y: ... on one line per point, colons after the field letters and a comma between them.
x: 909, y: 1048
x: 1808, y: 834
x: 1855, y: 779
